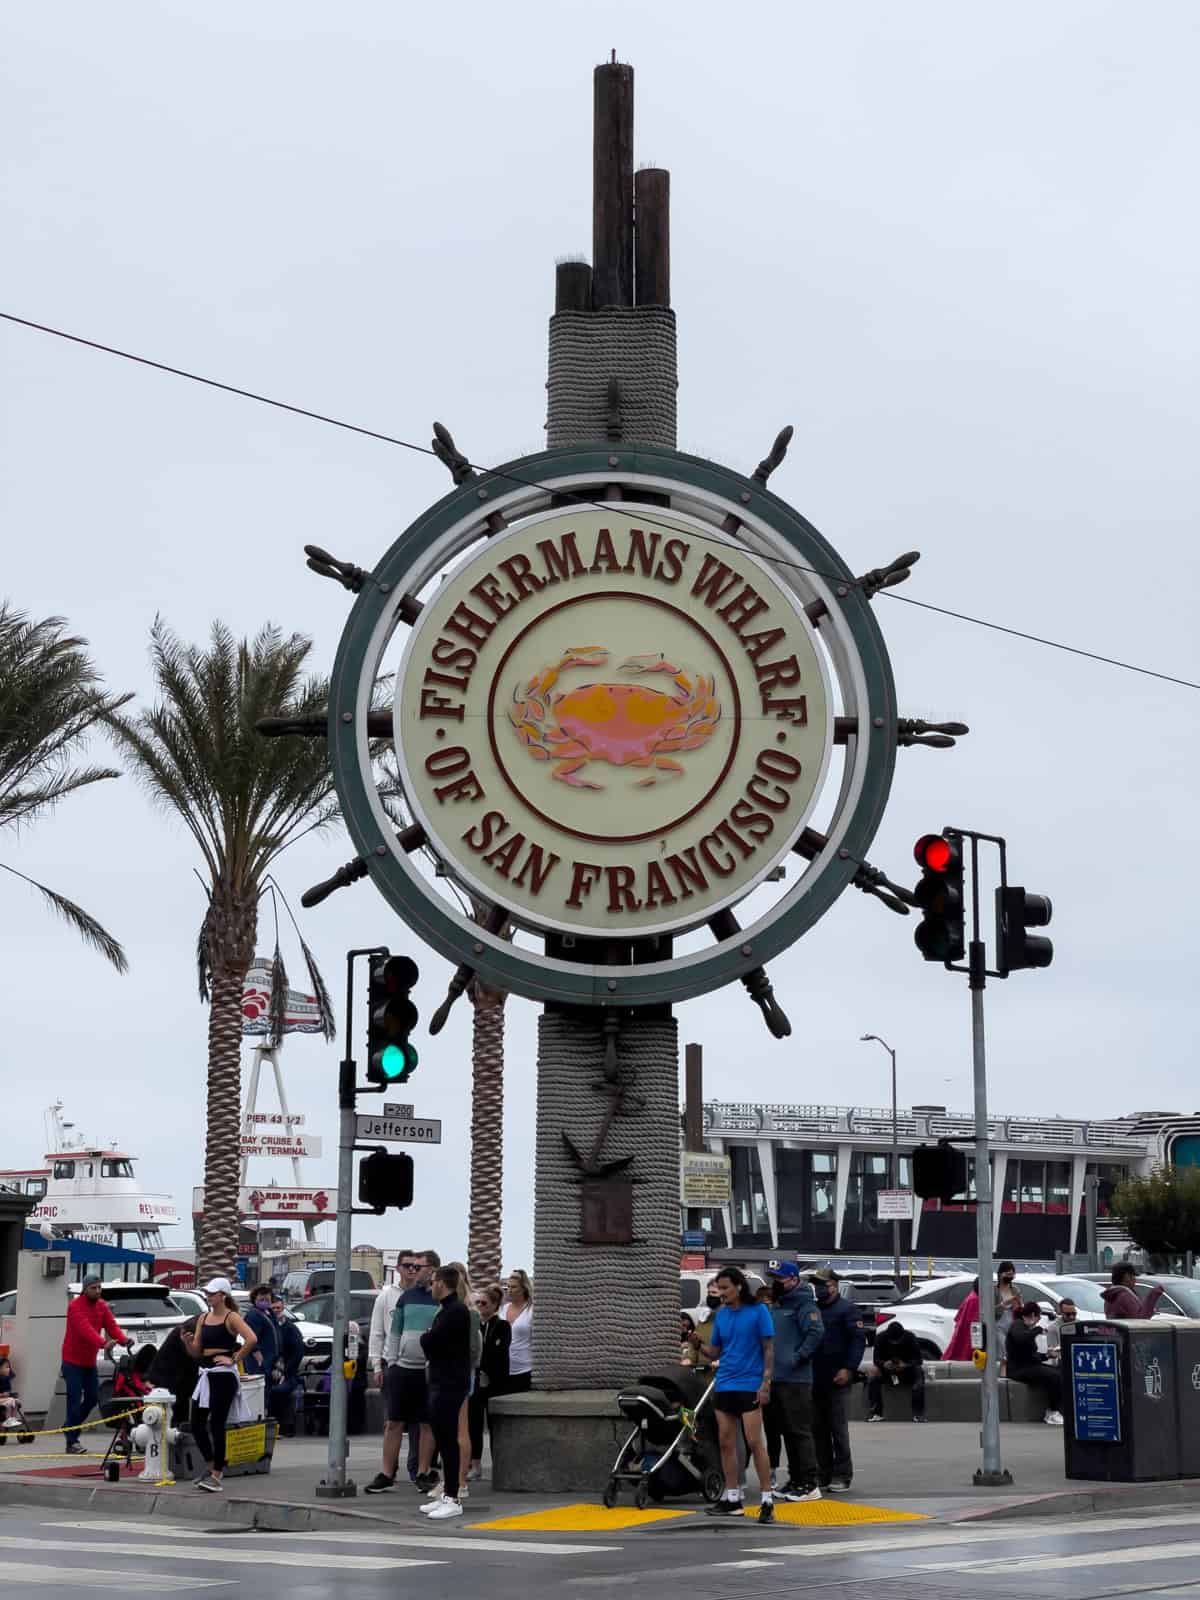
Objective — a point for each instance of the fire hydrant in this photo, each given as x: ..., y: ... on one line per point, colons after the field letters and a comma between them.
x: 154, y: 1435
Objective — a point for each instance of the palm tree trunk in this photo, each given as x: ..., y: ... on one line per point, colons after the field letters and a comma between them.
x: 217, y: 1244
x: 487, y: 1138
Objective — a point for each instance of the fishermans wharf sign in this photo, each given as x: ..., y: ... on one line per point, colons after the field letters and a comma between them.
x: 629, y: 691
x: 610, y: 725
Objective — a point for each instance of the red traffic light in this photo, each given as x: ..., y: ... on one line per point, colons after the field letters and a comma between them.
x: 934, y: 853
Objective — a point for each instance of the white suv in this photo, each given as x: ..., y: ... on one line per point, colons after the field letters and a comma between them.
x: 928, y: 1312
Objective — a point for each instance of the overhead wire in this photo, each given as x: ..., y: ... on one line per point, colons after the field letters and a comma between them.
x: 656, y: 520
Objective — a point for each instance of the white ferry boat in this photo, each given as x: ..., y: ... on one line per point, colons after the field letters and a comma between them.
x: 89, y: 1192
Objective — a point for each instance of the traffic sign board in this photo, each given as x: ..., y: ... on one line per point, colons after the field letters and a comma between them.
x: 399, y: 1130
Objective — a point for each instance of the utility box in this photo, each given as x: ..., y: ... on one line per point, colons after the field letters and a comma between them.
x: 1187, y: 1396
x: 35, y: 1333
x: 1120, y: 1397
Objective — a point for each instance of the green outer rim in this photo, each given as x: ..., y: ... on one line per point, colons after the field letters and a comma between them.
x: 526, y: 972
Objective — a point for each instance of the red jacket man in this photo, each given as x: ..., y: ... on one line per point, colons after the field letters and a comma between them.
x: 91, y: 1327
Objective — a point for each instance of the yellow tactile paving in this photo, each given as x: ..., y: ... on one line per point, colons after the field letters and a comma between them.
x: 581, y: 1518
x: 585, y: 1518
x: 830, y: 1513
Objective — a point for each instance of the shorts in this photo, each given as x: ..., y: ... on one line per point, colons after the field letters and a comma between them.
x: 736, y: 1402
x: 404, y: 1395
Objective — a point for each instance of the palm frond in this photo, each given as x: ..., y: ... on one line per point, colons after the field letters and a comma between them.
x: 324, y: 1003
x: 51, y: 700
x: 320, y: 992
x: 203, y: 953
x: 277, y: 1009
x: 89, y: 930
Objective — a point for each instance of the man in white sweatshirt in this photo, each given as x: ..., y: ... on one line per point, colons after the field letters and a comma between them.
x: 410, y: 1268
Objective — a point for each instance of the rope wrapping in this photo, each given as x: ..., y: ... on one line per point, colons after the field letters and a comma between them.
x: 606, y: 1313
x: 636, y: 346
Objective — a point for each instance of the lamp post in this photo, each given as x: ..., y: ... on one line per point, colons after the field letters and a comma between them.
x: 866, y: 1038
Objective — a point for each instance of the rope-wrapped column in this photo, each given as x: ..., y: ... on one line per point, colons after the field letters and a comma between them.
x: 631, y: 347
x: 604, y: 1313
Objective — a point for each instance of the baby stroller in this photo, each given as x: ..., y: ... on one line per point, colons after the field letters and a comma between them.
x: 673, y: 1448
x: 13, y: 1422
x: 130, y: 1387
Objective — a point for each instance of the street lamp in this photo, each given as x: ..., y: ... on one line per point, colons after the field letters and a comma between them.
x: 866, y: 1039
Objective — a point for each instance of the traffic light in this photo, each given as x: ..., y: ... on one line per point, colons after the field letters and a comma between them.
x: 390, y: 1056
x: 939, y: 1172
x: 1016, y: 949
x: 384, y: 1181
x: 942, y: 934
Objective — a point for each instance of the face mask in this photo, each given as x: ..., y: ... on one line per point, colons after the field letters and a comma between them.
x: 262, y: 1305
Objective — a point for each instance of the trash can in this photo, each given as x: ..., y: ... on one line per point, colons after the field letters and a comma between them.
x: 1187, y: 1396
x: 1120, y: 1397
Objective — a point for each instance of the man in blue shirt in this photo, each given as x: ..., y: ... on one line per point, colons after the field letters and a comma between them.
x: 743, y: 1341
x: 835, y: 1368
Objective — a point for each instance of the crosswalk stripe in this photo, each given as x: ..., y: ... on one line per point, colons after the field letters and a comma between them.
x: 660, y: 1573
x: 958, y: 1535
x: 223, y: 1552
x: 1142, y: 1554
x: 417, y: 1540
x: 26, y: 1572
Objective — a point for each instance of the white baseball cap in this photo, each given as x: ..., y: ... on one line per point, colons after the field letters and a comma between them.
x: 221, y: 1284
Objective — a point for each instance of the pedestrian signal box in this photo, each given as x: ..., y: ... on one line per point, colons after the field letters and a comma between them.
x: 939, y: 1172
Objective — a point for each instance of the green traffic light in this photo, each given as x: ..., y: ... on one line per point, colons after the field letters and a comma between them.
x: 396, y: 1061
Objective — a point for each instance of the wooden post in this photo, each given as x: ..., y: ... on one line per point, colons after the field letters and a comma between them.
x: 693, y: 1097
x: 573, y: 286
x: 612, y: 191
x: 652, y: 235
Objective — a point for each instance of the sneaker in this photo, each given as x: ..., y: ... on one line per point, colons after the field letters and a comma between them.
x: 1053, y: 1419
x: 874, y: 1416
x: 76, y: 1449
x: 431, y: 1504
x: 380, y: 1484
x: 425, y: 1481
x: 445, y: 1507
x: 475, y: 1472
x: 797, y: 1492
x: 839, y: 1485
x: 464, y: 1493
x: 727, y: 1508
x: 766, y: 1511
x: 919, y: 1419
x: 209, y: 1484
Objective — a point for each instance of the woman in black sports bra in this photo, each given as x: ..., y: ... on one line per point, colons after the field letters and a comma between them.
x: 218, y: 1341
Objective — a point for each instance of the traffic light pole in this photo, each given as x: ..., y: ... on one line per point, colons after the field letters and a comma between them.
x: 992, y: 1473
x: 336, y: 1485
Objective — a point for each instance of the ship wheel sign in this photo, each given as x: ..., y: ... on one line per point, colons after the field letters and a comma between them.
x: 627, y: 689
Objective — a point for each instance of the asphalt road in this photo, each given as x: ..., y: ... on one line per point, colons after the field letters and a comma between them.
x: 45, y: 1554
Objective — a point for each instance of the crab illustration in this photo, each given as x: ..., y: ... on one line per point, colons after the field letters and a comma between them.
x: 624, y: 724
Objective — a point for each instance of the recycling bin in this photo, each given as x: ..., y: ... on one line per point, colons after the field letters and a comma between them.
x: 1120, y: 1397
x: 1187, y: 1396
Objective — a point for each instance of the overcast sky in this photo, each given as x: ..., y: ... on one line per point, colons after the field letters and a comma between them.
x: 955, y: 247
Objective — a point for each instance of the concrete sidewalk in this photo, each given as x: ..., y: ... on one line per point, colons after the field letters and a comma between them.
x: 900, y: 1470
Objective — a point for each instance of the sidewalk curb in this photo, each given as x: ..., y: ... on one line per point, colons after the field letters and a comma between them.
x: 1083, y: 1501
x: 269, y: 1516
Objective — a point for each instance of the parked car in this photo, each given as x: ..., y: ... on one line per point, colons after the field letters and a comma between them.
x: 302, y: 1285
x: 1180, y: 1299
x: 928, y: 1311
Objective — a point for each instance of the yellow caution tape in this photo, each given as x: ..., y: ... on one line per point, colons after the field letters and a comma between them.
x: 80, y: 1427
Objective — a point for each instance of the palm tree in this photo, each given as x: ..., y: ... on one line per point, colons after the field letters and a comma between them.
x: 243, y: 799
x: 50, y: 700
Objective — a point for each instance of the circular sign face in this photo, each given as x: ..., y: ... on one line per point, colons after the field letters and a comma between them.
x: 612, y: 726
